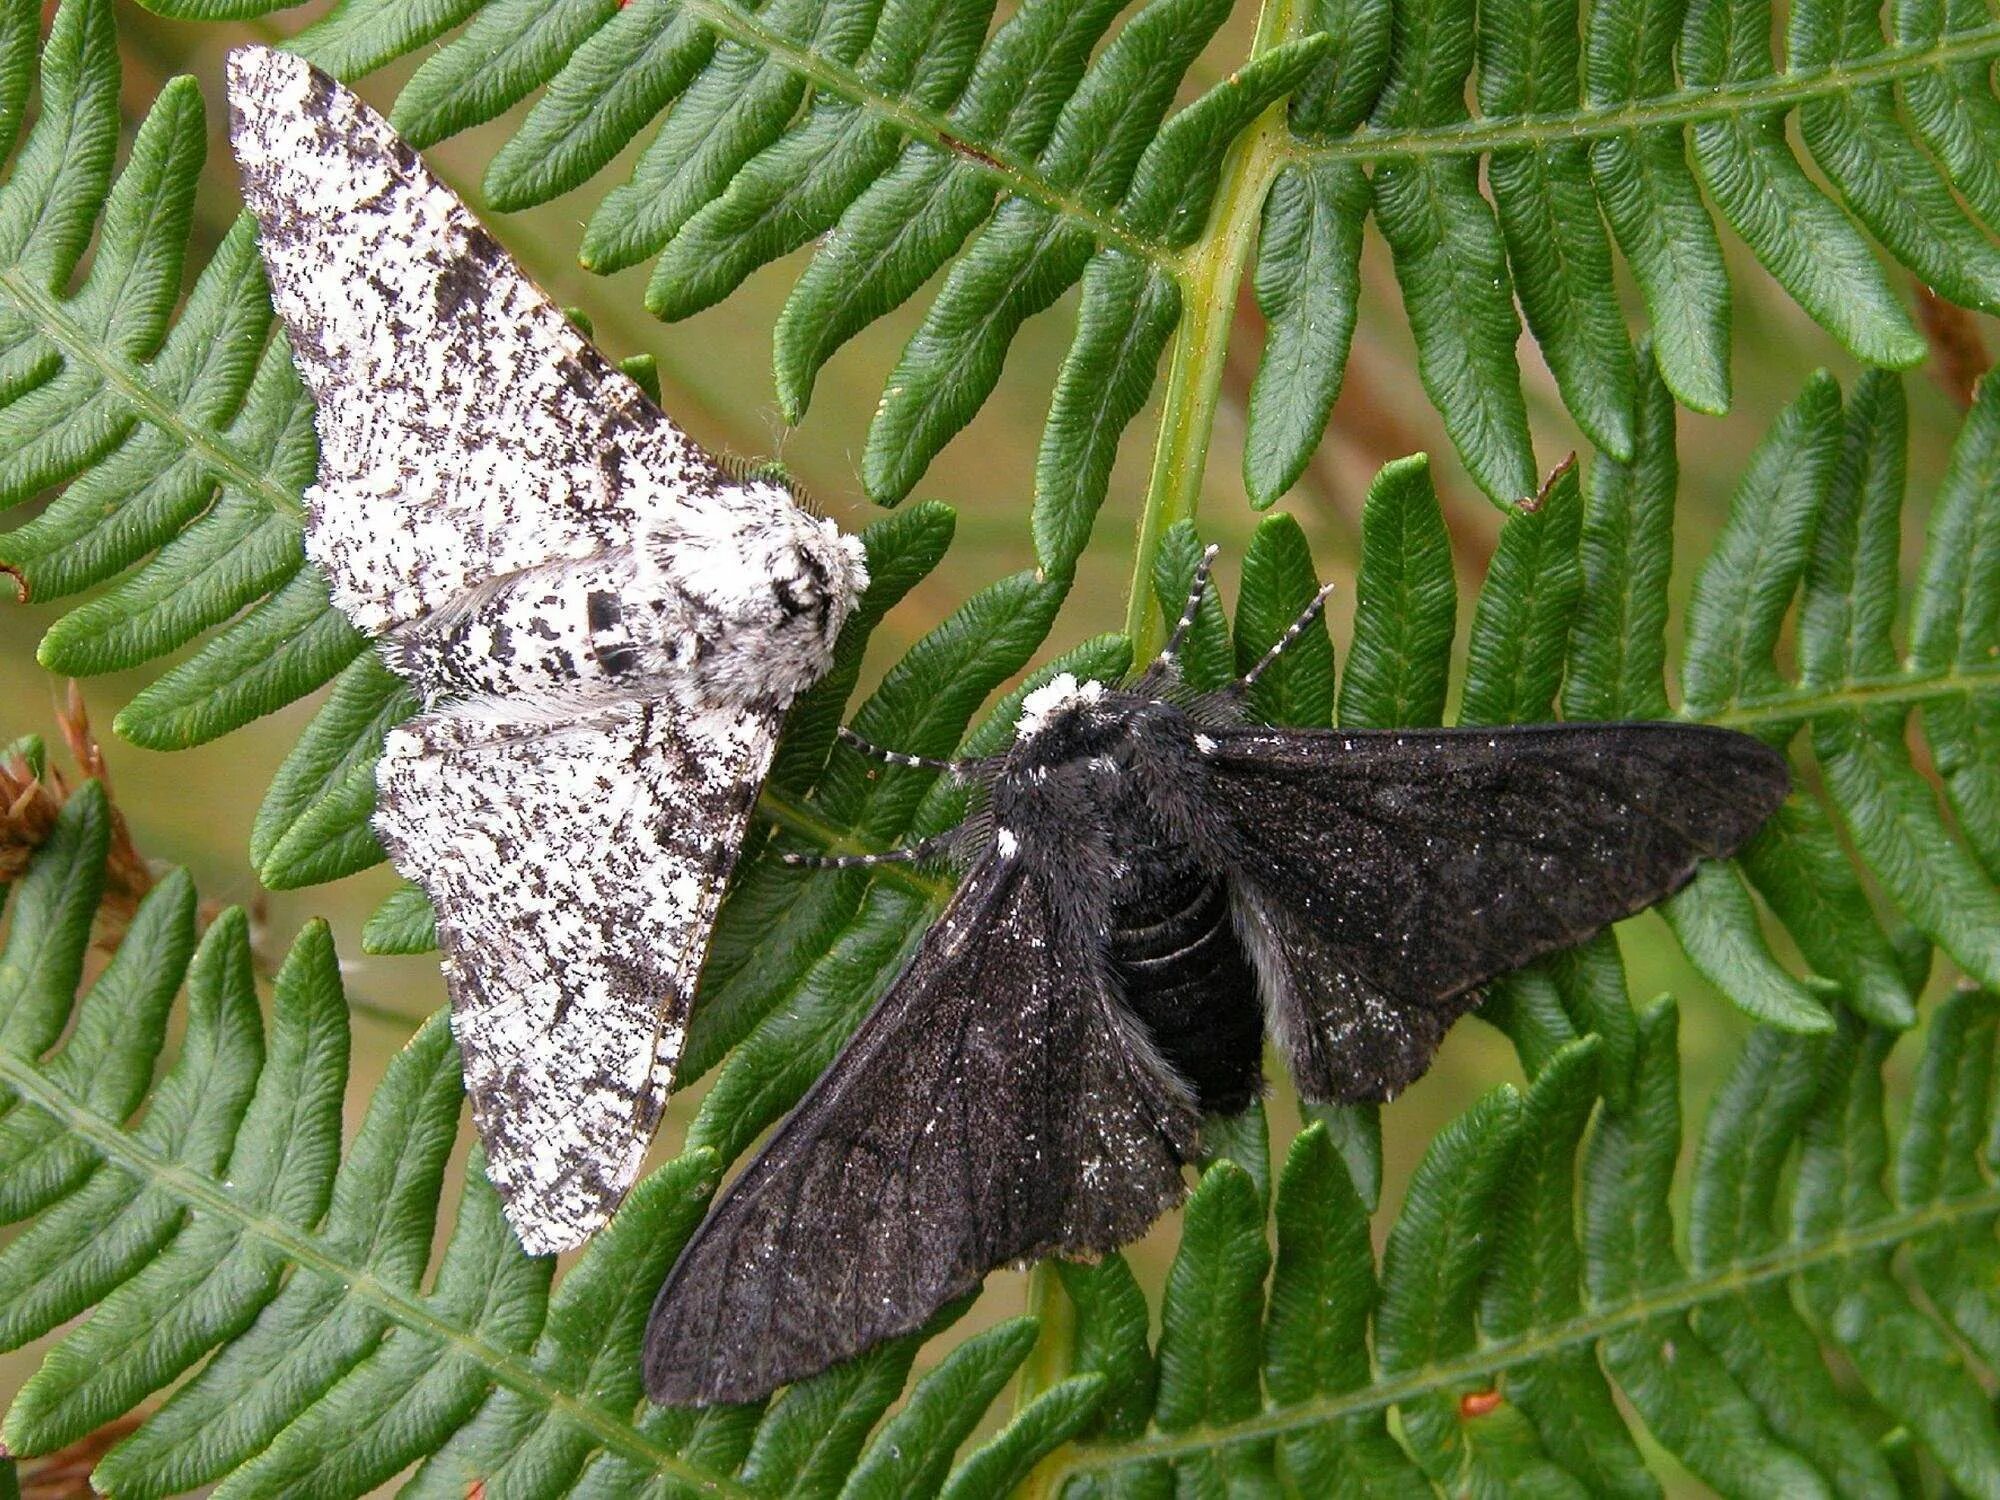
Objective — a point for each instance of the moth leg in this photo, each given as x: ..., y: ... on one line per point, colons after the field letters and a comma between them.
x: 1197, y: 588
x: 935, y: 847
x: 1293, y: 631
x: 897, y: 757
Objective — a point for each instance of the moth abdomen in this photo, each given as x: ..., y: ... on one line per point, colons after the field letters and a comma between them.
x: 1183, y: 972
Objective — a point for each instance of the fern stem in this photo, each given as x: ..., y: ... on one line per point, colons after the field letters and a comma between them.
x: 1052, y: 1359
x: 309, y: 1252
x: 127, y: 377
x: 1778, y: 91
x: 1211, y: 271
x: 1803, y: 704
x: 1493, y: 1359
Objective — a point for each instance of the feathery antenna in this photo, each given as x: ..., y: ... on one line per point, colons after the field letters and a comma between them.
x: 935, y: 847
x: 1197, y: 587
x: 1292, y: 632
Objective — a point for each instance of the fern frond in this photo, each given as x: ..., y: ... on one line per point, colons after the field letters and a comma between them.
x: 1493, y: 1310
x: 916, y: 135
x: 898, y: 131
x: 1621, y: 133
x: 1795, y: 536
x: 227, y: 1225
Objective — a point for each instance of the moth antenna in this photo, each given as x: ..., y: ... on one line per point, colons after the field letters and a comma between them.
x: 770, y: 471
x: 1293, y: 631
x: 1197, y: 587
x: 934, y: 847
x: 897, y: 757
x: 976, y: 830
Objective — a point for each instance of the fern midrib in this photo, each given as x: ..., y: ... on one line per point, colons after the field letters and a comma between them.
x: 128, y: 379
x: 1496, y: 1358
x: 927, y: 125
x: 1776, y: 91
x: 1854, y: 694
x: 309, y: 1252
x: 1210, y: 271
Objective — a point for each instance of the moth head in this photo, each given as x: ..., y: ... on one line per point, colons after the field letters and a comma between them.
x: 1064, y: 718
x: 1094, y: 729
x: 768, y: 586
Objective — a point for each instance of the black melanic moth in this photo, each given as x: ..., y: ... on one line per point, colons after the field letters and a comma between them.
x: 1152, y: 885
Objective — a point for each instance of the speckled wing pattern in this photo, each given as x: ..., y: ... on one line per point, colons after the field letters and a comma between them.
x: 467, y: 429
x: 575, y: 871
x: 492, y: 498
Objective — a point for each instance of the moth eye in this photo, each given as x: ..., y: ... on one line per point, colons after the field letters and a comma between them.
x: 788, y: 601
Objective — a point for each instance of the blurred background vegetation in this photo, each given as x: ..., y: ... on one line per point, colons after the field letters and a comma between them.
x: 195, y: 808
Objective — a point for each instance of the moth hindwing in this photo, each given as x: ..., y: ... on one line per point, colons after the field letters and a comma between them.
x: 603, y: 623
x: 1157, y: 884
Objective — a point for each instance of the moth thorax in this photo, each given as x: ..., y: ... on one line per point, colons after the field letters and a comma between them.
x: 759, y: 586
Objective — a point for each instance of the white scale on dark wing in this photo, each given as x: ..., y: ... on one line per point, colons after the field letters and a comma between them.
x: 1152, y: 886
x: 604, y: 624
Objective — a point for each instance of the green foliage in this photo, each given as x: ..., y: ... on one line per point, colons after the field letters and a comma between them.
x: 1624, y: 129
x: 290, y: 1294
x: 1011, y: 162
x: 214, y: 1216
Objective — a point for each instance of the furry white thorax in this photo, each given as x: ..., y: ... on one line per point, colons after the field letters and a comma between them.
x: 1059, y: 694
x: 767, y: 586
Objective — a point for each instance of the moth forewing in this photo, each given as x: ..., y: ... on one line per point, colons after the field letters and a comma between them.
x: 604, y: 624
x: 991, y: 1107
